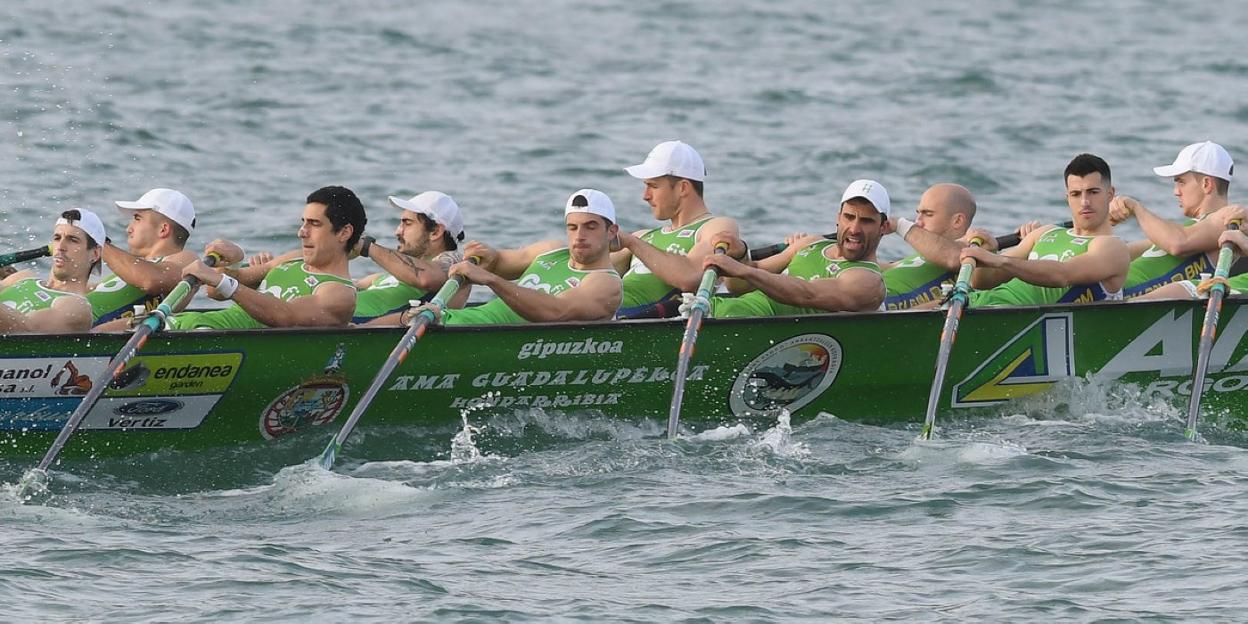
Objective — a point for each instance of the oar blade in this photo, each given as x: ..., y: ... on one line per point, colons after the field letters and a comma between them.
x: 1209, y: 330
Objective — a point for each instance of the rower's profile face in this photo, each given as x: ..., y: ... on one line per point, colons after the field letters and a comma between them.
x: 1088, y: 197
x: 320, y: 243
x: 859, y: 227
x: 934, y: 216
x: 143, y: 232
x: 663, y: 195
x: 1189, y: 189
x: 72, y: 259
x: 589, y: 237
x: 411, y: 235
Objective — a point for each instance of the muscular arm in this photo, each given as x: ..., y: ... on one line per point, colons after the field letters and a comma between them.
x: 153, y: 278
x: 67, y: 314
x: 988, y: 277
x: 330, y: 305
x: 1176, y: 239
x: 771, y: 264
x: 853, y: 291
x: 511, y: 263
x: 935, y: 248
x: 251, y: 276
x: 411, y: 271
x: 1105, y: 261
x: 683, y: 271
x: 596, y: 298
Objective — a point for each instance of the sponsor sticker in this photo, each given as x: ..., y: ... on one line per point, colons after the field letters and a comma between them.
x: 163, y: 375
x: 788, y: 376
x: 186, y: 412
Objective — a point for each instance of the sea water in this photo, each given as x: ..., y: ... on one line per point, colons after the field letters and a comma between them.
x: 1087, y: 504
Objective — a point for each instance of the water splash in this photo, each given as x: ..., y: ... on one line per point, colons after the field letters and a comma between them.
x: 779, y: 439
x: 463, y: 449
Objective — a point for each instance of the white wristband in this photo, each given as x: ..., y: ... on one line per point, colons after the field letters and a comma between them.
x: 903, y: 227
x: 227, y: 286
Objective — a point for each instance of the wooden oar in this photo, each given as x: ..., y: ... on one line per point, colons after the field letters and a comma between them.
x: 413, y: 334
x: 701, y: 304
x: 23, y: 256
x: 153, y: 323
x: 961, y: 289
x: 1003, y: 242
x: 1212, y: 309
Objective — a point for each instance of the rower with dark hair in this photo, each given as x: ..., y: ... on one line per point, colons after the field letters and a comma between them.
x: 313, y: 290
x: 1054, y: 264
x: 570, y: 280
x: 161, y: 221
x: 59, y: 303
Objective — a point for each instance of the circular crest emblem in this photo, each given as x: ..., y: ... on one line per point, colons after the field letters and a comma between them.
x: 311, y: 403
x: 788, y: 376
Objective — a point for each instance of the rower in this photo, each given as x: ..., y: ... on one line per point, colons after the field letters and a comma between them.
x: 553, y: 280
x: 664, y: 261
x: 1178, y: 252
x: 161, y: 221
x: 942, y: 218
x: 428, y: 237
x: 59, y: 303
x: 313, y: 290
x: 1053, y: 264
x: 815, y: 275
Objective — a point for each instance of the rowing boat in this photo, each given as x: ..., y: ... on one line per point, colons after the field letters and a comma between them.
x: 208, y: 389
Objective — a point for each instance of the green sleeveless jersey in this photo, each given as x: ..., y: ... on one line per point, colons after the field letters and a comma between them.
x: 641, y: 287
x: 550, y: 273
x: 1058, y: 244
x: 914, y: 281
x: 810, y: 263
x: 388, y: 295
x: 114, y: 298
x: 30, y: 295
x: 285, y: 281
x: 1156, y: 268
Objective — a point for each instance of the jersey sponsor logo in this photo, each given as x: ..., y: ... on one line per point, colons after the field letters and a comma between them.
x: 572, y: 282
x: 686, y: 233
x: 786, y: 376
x: 42, y: 296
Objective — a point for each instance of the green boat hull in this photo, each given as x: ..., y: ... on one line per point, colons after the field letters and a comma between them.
x: 203, y: 390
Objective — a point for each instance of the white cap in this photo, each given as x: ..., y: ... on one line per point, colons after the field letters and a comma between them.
x: 167, y: 202
x: 89, y: 223
x: 670, y: 158
x: 437, y: 206
x: 591, y: 201
x: 871, y: 191
x: 1207, y: 157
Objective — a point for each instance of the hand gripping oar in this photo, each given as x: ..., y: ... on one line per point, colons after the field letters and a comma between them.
x: 1212, y: 309
x: 413, y: 334
x: 947, y: 335
x: 150, y: 325
x: 701, y: 304
x: 1003, y: 242
x: 23, y: 256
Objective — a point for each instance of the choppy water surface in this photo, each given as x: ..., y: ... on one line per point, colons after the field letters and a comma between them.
x: 1086, y: 509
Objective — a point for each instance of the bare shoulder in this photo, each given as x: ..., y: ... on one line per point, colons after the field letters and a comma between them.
x: 716, y: 225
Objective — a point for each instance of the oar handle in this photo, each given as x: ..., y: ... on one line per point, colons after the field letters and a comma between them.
x: 156, y: 320
x: 23, y: 256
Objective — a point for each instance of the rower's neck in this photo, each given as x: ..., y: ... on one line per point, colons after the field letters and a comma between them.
x: 336, y: 266
x: 602, y: 263
x: 1100, y: 230
x: 1212, y: 204
x: 694, y: 210
x: 79, y: 287
x: 163, y: 249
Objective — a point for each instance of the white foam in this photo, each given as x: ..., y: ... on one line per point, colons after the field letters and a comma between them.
x: 720, y: 434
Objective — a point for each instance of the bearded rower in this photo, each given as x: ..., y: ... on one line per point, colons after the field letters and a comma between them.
x: 428, y: 236
x: 59, y: 303
x: 553, y: 280
x: 161, y: 221
x: 1053, y: 264
x: 815, y: 275
x: 314, y: 290
x: 1176, y: 254
x: 662, y: 262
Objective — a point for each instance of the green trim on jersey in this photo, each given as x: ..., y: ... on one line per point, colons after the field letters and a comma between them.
x: 914, y: 281
x: 31, y: 295
x: 1156, y: 268
x: 643, y: 288
x: 551, y: 273
x: 1058, y: 244
x: 115, y: 298
x: 810, y: 263
x: 285, y: 281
